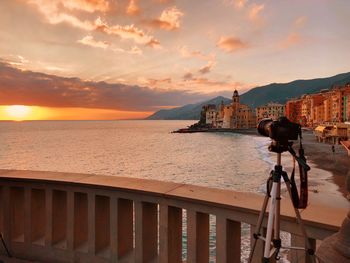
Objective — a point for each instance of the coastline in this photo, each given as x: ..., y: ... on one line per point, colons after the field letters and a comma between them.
x: 322, y: 156
x: 338, y: 163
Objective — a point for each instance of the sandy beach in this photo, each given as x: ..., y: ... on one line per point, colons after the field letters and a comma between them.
x: 321, y: 154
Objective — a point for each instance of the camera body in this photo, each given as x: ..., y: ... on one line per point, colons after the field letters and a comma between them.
x: 281, y: 130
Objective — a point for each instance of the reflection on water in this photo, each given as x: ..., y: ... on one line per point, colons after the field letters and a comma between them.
x: 144, y: 149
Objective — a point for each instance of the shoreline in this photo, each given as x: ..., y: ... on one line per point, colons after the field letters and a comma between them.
x: 321, y: 155
x: 337, y: 163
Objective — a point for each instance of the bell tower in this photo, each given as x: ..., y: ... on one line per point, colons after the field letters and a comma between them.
x: 235, y: 101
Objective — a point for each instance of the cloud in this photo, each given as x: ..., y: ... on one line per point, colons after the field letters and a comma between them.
x: 155, y: 82
x: 54, y: 15
x: 300, y: 21
x: 169, y: 19
x: 292, y: 39
x: 188, y: 76
x: 127, y: 32
x: 90, y: 41
x: 238, y: 4
x: 186, y: 53
x: 206, y: 69
x: 85, y: 5
x: 133, y: 8
x: 255, y: 11
x: 18, y: 87
x: 218, y: 86
x: 231, y: 44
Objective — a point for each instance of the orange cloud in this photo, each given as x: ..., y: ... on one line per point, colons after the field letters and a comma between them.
x: 238, y: 4
x: 54, y: 15
x: 127, y: 32
x: 133, y: 8
x: 90, y: 41
x: 255, y: 11
x: 20, y: 87
x: 206, y: 69
x: 186, y: 53
x: 169, y: 19
x: 231, y: 44
x: 292, y: 39
x: 86, y: 5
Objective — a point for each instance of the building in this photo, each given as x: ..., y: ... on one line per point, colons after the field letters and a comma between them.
x: 233, y: 116
x: 331, y: 106
x: 309, y: 102
x: 293, y: 111
x: 210, y: 114
x: 237, y: 115
x: 270, y: 110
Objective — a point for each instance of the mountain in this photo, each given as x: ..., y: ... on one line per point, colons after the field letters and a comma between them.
x: 275, y: 92
x: 187, y: 112
x: 281, y: 92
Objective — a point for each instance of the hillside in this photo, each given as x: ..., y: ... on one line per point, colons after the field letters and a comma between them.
x: 275, y: 92
x: 187, y: 112
x: 281, y: 92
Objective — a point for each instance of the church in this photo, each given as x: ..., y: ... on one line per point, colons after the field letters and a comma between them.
x: 232, y: 116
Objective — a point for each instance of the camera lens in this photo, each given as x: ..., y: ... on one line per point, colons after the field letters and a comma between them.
x: 264, y: 127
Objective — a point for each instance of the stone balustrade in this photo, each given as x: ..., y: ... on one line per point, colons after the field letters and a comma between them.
x: 63, y: 217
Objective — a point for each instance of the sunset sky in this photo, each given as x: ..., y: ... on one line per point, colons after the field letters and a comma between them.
x: 117, y: 59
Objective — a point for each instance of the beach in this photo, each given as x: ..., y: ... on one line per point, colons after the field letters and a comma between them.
x: 321, y: 154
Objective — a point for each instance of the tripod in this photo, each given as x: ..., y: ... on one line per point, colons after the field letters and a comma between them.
x: 273, y: 242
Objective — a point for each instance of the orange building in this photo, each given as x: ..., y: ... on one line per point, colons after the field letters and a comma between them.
x: 270, y: 110
x: 293, y: 111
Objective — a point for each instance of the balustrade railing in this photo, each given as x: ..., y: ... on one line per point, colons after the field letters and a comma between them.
x: 61, y: 217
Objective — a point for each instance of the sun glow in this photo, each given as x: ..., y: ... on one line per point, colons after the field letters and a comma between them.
x: 18, y: 112
x: 29, y: 113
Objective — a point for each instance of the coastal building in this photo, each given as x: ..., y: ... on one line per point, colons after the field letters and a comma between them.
x: 237, y: 115
x: 309, y: 102
x: 232, y: 116
x: 270, y: 110
x: 293, y: 111
x: 210, y: 114
x: 331, y: 106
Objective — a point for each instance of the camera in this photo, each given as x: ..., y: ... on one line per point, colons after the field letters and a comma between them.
x: 281, y: 130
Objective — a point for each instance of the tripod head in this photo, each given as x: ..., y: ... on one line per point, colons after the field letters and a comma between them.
x: 280, y: 147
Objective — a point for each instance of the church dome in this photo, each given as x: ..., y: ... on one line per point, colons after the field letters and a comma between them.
x: 235, y: 93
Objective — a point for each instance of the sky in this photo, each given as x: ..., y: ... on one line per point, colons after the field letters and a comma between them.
x: 120, y: 59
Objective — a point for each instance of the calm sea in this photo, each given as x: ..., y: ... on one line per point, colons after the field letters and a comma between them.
x: 144, y: 149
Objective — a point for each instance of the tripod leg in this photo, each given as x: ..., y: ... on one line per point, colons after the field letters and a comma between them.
x: 258, y: 226
x: 272, y: 211
x: 309, y: 248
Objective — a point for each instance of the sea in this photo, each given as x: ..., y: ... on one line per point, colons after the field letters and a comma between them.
x: 148, y: 149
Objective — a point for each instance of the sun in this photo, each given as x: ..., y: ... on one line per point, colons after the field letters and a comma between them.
x: 18, y: 112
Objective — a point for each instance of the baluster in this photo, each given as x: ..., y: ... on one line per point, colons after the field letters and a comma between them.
x: 125, y: 228
x: 145, y: 231
x: 170, y: 236
x: 197, y: 237
x: 300, y: 256
x: 48, y: 212
x: 114, y: 229
x: 228, y: 240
